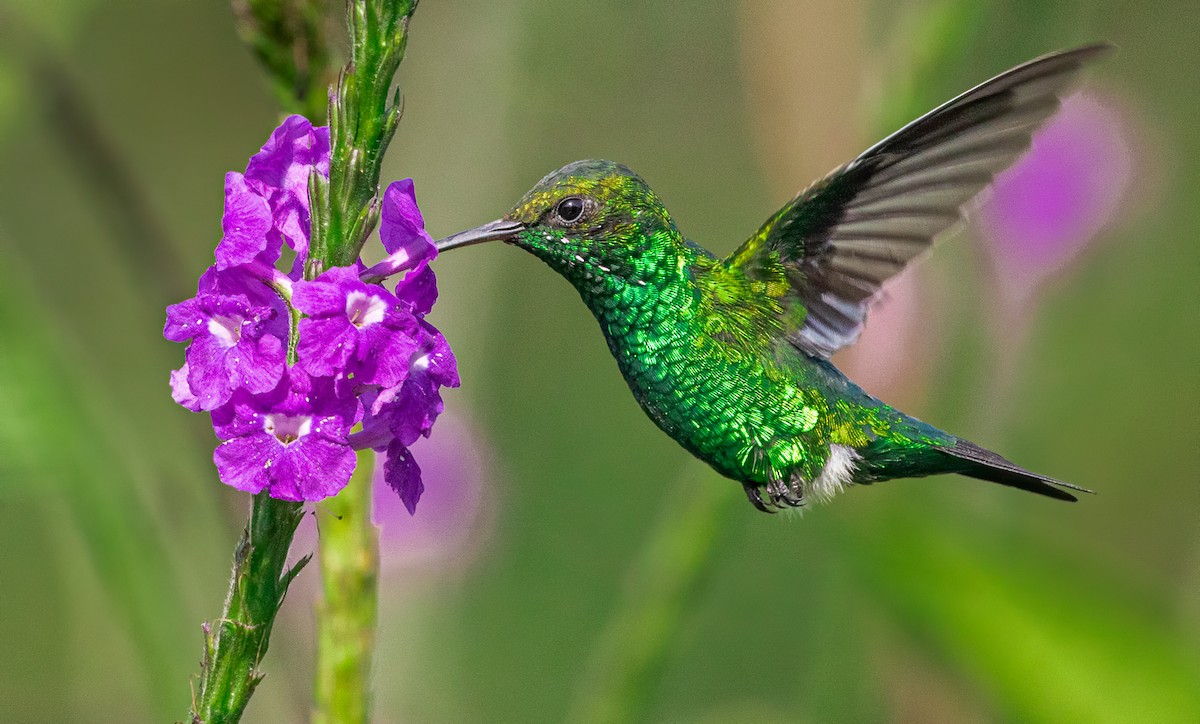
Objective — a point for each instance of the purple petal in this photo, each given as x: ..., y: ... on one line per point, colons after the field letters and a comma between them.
x: 184, y: 321
x: 393, y: 264
x: 293, y: 149
x: 257, y: 365
x: 402, y: 227
x: 181, y: 392
x: 402, y: 473
x: 294, y: 396
x: 281, y: 171
x: 414, y: 409
x: 335, y: 398
x: 326, y: 345
x: 376, y: 432
x: 246, y: 225
x: 208, y: 377
x: 238, y: 417
x: 320, y: 468
x: 293, y: 221
x: 385, y: 356
x: 245, y: 462
x: 326, y: 295
x: 419, y: 288
x: 438, y: 362
x: 247, y: 281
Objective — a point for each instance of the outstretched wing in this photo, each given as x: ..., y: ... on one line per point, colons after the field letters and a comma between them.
x: 841, y: 238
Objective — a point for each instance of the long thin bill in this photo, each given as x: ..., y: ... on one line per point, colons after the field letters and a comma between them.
x: 498, y: 230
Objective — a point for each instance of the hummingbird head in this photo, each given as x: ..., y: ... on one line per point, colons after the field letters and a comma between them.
x: 591, y: 221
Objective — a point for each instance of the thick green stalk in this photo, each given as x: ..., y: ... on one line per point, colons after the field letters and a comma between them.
x: 346, y: 615
x: 235, y: 644
x: 363, y: 113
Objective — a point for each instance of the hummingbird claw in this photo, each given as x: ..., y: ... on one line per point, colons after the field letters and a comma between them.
x: 754, y: 495
x: 783, y: 494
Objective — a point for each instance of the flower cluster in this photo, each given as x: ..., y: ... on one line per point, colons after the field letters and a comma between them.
x: 289, y: 368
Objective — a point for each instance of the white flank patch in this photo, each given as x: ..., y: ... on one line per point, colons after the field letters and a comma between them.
x: 837, y: 473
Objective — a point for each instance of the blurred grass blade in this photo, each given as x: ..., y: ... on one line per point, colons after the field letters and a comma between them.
x: 619, y: 681
x: 58, y: 442
x: 1026, y: 625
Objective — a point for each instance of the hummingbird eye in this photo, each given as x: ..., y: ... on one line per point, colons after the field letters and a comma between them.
x: 569, y: 210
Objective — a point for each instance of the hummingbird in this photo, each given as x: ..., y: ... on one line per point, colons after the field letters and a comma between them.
x: 730, y: 357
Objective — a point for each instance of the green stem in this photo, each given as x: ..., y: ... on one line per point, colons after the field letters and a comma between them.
x: 363, y: 113
x: 346, y: 615
x: 235, y: 644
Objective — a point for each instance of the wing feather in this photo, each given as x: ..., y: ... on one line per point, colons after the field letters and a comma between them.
x: 840, y: 239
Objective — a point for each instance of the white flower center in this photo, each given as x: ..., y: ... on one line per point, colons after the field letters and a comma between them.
x: 364, y: 309
x: 227, y: 330
x: 287, y: 429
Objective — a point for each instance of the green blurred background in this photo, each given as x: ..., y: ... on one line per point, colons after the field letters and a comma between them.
x: 572, y: 562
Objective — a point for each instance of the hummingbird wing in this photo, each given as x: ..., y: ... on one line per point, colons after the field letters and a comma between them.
x: 837, y: 241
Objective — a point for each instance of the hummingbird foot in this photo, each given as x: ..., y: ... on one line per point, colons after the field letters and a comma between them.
x: 754, y: 495
x: 783, y: 494
x: 780, y: 495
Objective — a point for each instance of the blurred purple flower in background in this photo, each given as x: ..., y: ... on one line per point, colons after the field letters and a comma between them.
x: 362, y: 353
x: 456, y: 518
x: 1045, y: 209
x: 890, y: 357
x: 1040, y: 215
x: 454, y: 522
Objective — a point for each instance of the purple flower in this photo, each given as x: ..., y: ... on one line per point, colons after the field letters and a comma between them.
x: 246, y: 226
x: 290, y: 441
x: 396, y: 417
x: 253, y: 281
x: 1046, y: 208
x: 361, y: 352
x: 408, y: 410
x: 282, y: 167
x: 402, y: 230
x: 269, y: 203
x: 356, y: 328
x: 230, y: 348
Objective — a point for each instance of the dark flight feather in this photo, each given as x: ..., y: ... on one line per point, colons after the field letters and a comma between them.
x: 844, y: 236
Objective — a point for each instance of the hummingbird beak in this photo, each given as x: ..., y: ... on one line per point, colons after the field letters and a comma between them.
x: 498, y: 230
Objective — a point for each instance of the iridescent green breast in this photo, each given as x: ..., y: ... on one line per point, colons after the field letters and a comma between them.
x: 698, y: 353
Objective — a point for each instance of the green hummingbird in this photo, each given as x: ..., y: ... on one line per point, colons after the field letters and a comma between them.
x: 730, y: 357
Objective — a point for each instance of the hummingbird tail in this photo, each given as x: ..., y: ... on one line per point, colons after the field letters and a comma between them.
x: 986, y: 465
